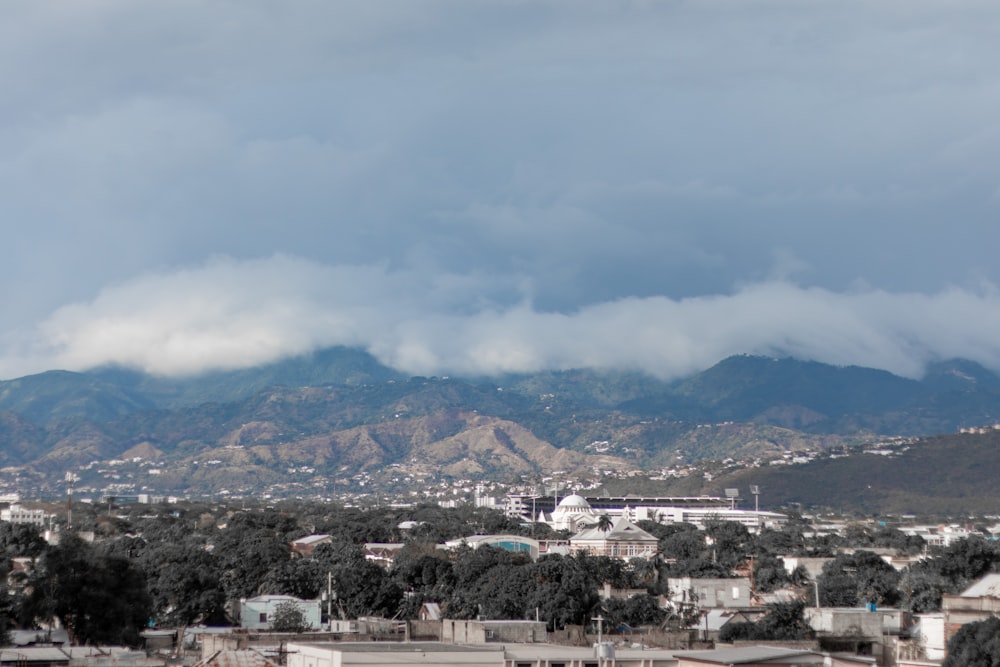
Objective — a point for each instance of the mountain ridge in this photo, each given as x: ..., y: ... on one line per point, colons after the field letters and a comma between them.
x: 341, y: 419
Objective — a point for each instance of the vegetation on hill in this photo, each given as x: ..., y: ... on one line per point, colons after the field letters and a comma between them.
x: 339, y: 414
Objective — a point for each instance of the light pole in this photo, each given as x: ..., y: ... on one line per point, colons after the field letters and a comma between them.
x: 755, y: 490
x: 600, y: 638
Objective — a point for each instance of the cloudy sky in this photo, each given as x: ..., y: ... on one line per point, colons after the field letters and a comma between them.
x: 487, y: 186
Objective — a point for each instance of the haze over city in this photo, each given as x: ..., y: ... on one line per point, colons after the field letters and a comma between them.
x: 494, y: 186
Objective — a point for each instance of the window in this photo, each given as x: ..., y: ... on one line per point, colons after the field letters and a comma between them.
x: 263, y: 617
x: 736, y: 592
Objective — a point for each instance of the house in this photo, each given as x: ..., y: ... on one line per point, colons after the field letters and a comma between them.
x: 623, y: 540
x: 867, y: 631
x: 257, y: 613
x: 709, y: 593
x: 383, y: 553
x: 976, y: 603
x: 429, y: 611
x: 711, y: 624
x: 928, y: 633
x: 304, y: 546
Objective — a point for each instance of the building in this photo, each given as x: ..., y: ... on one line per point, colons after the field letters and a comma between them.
x: 574, y: 511
x: 258, y: 613
x: 512, y: 543
x: 455, y: 631
x: 976, y: 603
x: 623, y: 539
x: 374, y: 654
x: 304, y: 546
x: 709, y: 593
x: 18, y: 514
x: 771, y: 656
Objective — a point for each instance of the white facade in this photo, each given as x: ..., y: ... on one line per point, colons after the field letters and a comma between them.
x: 18, y: 514
x: 572, y: 514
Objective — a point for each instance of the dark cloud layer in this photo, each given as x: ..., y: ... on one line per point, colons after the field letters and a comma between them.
x: 498, y: 185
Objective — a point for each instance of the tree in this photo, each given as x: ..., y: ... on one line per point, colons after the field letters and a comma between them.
x: 975, y: 645
x: 604, y: 523
x: 288, y: 617
x: 98, y: 599
x: 784, y: 621
x: 858, y: 578
x: 184, y: 582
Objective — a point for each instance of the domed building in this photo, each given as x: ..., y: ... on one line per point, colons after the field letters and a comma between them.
x: 572, y: 513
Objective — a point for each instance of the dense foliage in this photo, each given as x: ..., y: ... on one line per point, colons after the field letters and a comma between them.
x: 176, y: 566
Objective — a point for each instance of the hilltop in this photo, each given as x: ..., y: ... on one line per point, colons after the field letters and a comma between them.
x: 338, y: 421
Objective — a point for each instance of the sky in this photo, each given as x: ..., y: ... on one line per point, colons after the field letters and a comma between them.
x: 492, y: 186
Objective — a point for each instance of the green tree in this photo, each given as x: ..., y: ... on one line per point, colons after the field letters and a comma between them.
x: 975, y: 645
x: 98, y: 599
x: 288, y: 617
x: 185, y: 583
x: 855, y: 579
x: 784, y: 621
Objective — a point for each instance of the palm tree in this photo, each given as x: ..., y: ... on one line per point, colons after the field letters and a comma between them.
x: 604, y: 523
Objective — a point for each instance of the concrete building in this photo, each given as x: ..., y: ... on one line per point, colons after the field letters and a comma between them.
x: 709, y: 593
x: 976, y: 603
x: 258, y: 613
x: 18, y: 514
x: 488, y: 655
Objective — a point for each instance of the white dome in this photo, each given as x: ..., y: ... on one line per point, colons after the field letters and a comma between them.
x: 574, y: 500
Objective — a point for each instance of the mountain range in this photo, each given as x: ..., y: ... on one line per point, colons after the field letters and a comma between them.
x: 337, y: 419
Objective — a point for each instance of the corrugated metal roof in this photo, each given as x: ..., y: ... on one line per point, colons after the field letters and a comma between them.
x: 987, y: 587
x: 244, y: 658
x: 34, y: 654
x: 748, y: 654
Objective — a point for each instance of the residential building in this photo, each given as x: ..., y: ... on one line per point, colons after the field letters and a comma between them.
x: 304, y: 546
x: 976, y: 603
x: 257, y: 613
x: 709, y: 593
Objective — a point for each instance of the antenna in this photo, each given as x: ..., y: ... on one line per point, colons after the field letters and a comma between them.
x: 70, y: 478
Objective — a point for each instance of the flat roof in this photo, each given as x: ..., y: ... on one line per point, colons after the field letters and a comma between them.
x: 400, y: 647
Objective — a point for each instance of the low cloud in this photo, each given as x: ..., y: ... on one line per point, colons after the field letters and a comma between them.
x: 230, y: 313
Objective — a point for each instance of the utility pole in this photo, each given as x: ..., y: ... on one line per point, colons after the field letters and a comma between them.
x: 329, y: 600
x: 600, y: 639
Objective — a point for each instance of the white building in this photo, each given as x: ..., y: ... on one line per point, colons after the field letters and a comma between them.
x: 623, y: 539
x: 257, y: 613
x: 18, y: 514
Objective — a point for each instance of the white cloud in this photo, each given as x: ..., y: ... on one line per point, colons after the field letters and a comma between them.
x: 502, y: 185
x: 229, y: 314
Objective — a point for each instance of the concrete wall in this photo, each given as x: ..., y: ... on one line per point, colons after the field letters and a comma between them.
x: 482, y: 632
